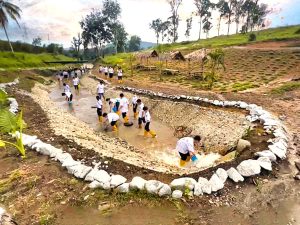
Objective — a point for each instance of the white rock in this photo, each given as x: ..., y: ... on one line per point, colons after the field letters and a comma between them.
x: 243, y: 105
x: 123, y: 188
x: 153, y: 186
x: 198, y: 190
x: 183, y: 183
x: 234, y: 175
x: 265, y: 163
x: 177, y: 194
x: 95, y: 184
x: 137, y: 183
x: 216, y: 183
x: 102, y: 176
x: 277, y: 151
x: 249, y: 168
x: 267, y: 153
x: 117, y: 180
x: 91, y: 175
x: 79, y: 171
x: 70, y: 162
x: 205, y: 185
x: 222, y: 174
x: 165, y: 190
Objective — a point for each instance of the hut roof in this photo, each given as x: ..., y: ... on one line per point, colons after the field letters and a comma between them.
x: 175, y: 55
x: 147, y: 54
x: 197, y: 55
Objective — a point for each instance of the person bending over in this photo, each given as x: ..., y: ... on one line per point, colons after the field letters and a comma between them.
x: 112, y: 119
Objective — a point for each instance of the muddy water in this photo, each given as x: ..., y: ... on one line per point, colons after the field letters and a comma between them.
x: 133, y: 215
x: 160, y: 148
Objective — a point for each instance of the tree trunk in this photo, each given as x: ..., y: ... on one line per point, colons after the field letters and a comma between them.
x: 219, y: 26
x: 11, y: 47
x: 237, y: 28
x: 200, y: 29
x: 229, y: 22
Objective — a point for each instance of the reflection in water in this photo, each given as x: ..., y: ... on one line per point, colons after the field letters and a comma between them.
x: 160, y: 148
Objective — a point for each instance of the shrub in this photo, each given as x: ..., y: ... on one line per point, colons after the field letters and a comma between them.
x: 297, y: 31
x: 252, y: 37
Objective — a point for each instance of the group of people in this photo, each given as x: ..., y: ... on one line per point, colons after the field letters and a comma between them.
x: 109, y: 72
x: 67, y: 90
x: 119, y: 107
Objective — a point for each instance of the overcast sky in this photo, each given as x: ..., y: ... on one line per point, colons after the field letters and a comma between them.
x: 58, y: 19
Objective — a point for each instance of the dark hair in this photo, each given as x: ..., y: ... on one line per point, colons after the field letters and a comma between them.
x: 101, y: 81
x: 197, y: 138
x: 139, y: 100
x: 108, y: 99
x: 97, y: 97
x: 145, y: 108
x: 121, y: 95
x: 64, y: 84
x: 104, y: 114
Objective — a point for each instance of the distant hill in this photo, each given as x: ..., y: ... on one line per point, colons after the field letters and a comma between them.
x: 145, y: 44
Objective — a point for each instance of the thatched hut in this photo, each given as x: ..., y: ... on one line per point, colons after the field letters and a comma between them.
x: 175, y: 56
x: 147, y: 54
x: 198, y: 55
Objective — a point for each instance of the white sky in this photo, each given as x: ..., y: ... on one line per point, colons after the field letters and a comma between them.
x: 59, y: 19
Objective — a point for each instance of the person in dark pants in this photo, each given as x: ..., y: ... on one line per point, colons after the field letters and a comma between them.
x: 186, y: 148
x: 99, y: 108
x: 111, y: 118
x: 147, y: 120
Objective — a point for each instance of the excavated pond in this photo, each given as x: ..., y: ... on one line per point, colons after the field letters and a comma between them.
x: 221, y: 128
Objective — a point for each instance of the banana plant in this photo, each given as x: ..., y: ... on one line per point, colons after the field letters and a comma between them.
x: 3, y: 98
x: 13, y: 124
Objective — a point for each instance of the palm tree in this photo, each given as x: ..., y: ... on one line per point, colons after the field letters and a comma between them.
x: 8, y: 10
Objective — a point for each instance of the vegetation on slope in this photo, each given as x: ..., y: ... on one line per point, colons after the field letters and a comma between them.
x: 26, y: 60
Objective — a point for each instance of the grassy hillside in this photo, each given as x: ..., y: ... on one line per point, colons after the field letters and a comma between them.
x: 273, y: 34
x: 27, y: 60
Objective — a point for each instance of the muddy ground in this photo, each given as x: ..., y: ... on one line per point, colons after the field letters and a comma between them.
x: 39, y: 191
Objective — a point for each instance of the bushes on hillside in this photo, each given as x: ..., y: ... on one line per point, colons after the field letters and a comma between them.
x: 252, y: 37
x: 298, y: 31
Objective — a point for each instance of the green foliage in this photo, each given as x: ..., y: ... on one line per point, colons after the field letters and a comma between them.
x: 27, y: 60
x: 214, y: 62
x: 297, y: 31
x: 272, y: 34
x: 243, y: 86
x: 252, y: 37
x: 10, y: 123
x: 134, y: 43
x: 3, y: 99
x: 289, y: 86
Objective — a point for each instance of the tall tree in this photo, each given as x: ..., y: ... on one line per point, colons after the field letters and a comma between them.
x: 203, y: 7
x: 238, y: 13
x: 223, y: 8
x: 259, y: 15
x: 37, y: 41
x: 229, y: 14
x: 174, y: 18
x: 77, y: 42
x: 164, y: 29
x: 120, y: 38
x: 156, y: 26
x: 134, y: 43
x: 248, y: 7
x: 207, y: 25
x: 96, y: 31
x: 189, y: 22
x: 8, y: 11
x: 112, y: 11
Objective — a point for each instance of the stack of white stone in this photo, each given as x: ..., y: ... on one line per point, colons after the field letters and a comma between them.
x: 101, y: 179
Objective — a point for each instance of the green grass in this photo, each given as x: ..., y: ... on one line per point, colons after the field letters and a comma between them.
x: 19, y: 60
x: 275, y: 34
x: 289, y: 86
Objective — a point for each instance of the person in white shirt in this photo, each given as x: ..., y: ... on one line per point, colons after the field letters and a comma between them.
x: 110, y: 72
x: 69, y: 97
x: 186, y: 148
x: 141, y: 116
x: 124, y: 105
x: 100, y: 89
x: 66, y: 74
x: 147, y: 120
x: 76, y: 82
x: 112, y: 118
x: 114, y: 104
x: 134, y: 106
x: 99, y: 108
x: 105, y: 69
x: 120, y: 75
x: 66, y: 88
